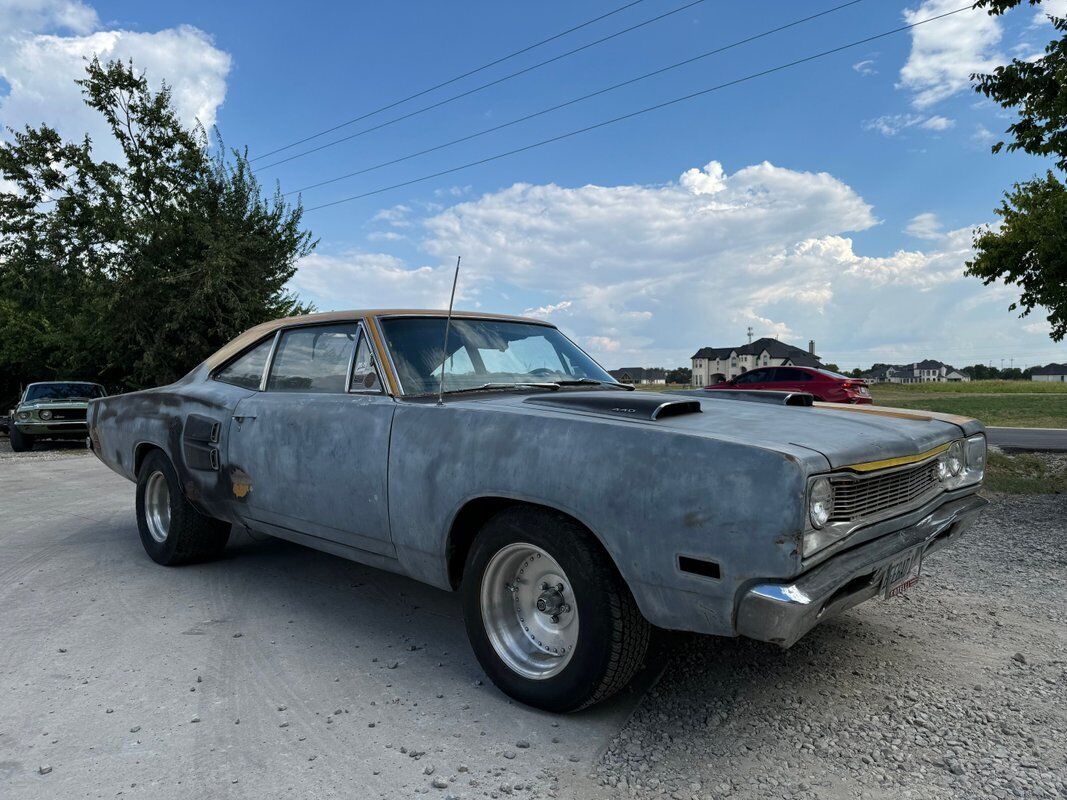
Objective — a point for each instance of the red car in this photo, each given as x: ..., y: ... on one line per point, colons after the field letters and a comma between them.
x: 824, y: 385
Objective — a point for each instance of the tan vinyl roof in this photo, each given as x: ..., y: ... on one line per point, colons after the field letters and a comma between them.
x: 259, y: 331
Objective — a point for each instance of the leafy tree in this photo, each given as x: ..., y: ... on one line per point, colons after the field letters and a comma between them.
x: 132, y: 272
x: 680, y: 375
x: 1029, y: 249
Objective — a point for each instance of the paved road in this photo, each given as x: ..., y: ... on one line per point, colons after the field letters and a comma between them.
x: 275, y: 671
x: 1047, y: 440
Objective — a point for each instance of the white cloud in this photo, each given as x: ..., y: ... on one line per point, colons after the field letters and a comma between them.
x: 938, y: 123
x: 47, y: 15
x: 945, y: 52
x: 865, y: 67
x: 46, y: 45
x: 1050, y: 8
x: 648, y: 274
x: 548, y: 310
x: 374, y: 280
x: 925, y: 226
x: 892, y: 124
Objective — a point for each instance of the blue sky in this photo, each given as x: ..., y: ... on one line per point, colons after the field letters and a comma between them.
x: 837, y: 205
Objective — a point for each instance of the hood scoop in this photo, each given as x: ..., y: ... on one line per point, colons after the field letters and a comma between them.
x: 627, y: 405
x: 754, y: 396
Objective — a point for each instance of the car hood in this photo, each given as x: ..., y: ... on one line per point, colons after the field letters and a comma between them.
x: 844, y: 435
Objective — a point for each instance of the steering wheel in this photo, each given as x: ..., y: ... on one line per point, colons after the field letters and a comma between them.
x: 542, y: 372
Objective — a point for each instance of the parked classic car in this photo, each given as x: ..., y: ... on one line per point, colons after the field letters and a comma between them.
x: 51, y: 410
x: 571, y: 512
x: 821, y: 384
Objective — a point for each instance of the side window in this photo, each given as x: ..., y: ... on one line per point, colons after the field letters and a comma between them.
x: 792, y: 375
x: 365, y: 377
x: 313, y: 359
x: 755, y: 376
x: 246, y: 370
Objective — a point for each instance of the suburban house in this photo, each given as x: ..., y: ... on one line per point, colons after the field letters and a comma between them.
x: 1050, y: 373
x: 718, y: 364
x: 927, y: 371
x: 639, y: 375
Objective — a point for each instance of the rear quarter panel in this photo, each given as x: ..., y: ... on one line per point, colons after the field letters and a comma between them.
x: 121, y: 426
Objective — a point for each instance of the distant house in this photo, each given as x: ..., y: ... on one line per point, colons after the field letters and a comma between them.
x: 717, y: 364
x: 1050, y: 373
x: 927, y: 371
x: 639, y: 375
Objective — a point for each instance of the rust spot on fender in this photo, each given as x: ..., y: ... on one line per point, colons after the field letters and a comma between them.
x: 240, y: 482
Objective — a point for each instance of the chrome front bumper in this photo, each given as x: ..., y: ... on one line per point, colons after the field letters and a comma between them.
x: 783, y: 612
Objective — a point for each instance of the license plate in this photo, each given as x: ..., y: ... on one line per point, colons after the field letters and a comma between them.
x: 902, y: 574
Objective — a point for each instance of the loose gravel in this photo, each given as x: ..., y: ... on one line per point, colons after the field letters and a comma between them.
x: 956, y: 690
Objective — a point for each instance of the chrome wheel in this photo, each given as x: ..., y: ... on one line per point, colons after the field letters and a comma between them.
x: 157, y: 506
x: 529, y: 611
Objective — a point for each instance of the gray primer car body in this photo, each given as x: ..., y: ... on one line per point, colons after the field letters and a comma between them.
x: 402, y: 483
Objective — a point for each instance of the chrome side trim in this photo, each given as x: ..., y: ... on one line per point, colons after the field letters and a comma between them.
x: 270, y: 360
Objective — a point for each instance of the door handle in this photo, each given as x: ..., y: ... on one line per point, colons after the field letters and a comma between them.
x: 240, y: 418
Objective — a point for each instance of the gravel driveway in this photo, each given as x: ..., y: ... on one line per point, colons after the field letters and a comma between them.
x: 280, y: 671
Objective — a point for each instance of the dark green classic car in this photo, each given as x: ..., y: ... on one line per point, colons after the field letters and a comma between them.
x: 51, y: 410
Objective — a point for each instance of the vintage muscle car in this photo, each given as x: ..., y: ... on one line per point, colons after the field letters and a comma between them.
x: 572, y: 513
x: 51, y: 410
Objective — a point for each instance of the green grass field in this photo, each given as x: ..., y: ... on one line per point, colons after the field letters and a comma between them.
x: 1012, y: 404
x: 1026, y: 473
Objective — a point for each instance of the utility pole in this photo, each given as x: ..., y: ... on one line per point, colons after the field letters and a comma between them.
x: 750, y: 334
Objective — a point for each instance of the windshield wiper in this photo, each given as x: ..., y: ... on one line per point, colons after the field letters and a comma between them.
x: 595, y: 382
x: 521, y: 385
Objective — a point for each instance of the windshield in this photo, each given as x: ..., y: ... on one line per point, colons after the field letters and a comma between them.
x: 483, y: 351
x: 63, y: 391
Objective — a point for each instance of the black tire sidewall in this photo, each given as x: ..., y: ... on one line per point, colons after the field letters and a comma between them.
x: 592, y: 580
x: 161, y: 552
x: 20, y: 442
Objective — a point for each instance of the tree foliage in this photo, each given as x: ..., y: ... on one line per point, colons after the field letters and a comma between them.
x: 132, y: 272
x: 1028, y: 248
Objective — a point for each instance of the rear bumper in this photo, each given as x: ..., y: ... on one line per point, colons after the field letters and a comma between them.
x: 782, y: 612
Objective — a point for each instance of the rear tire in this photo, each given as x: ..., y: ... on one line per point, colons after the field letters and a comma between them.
x: 510, y: 591
x: 172, y: 531
x: 20, y: 442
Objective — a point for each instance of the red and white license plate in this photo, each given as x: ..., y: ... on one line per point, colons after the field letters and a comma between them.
x: 902, y: 574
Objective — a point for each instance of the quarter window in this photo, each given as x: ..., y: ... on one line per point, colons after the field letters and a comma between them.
x: 246, y: 370
x: 313, y: 359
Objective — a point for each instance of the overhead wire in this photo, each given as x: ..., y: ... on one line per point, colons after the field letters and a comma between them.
x: 641, y: 111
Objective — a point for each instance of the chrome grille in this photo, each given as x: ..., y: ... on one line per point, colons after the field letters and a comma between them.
x: 865, y: 495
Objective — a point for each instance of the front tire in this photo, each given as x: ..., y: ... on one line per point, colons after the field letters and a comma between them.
x: 549, y: 618
x: 20, y: 442
x: 172, y: 531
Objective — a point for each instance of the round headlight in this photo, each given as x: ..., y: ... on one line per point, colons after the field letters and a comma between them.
x: 955, y: 459
x: 24, y: 415
x: 46, y: 414
x: 820, y: 502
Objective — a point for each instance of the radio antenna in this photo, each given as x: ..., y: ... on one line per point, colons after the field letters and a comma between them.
x: 448, y: 325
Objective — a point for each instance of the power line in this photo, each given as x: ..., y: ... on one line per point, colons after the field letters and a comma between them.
x: 476, y: 89
x: 605, y: 90
x: 639, y: 112
x: 441, y: 85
